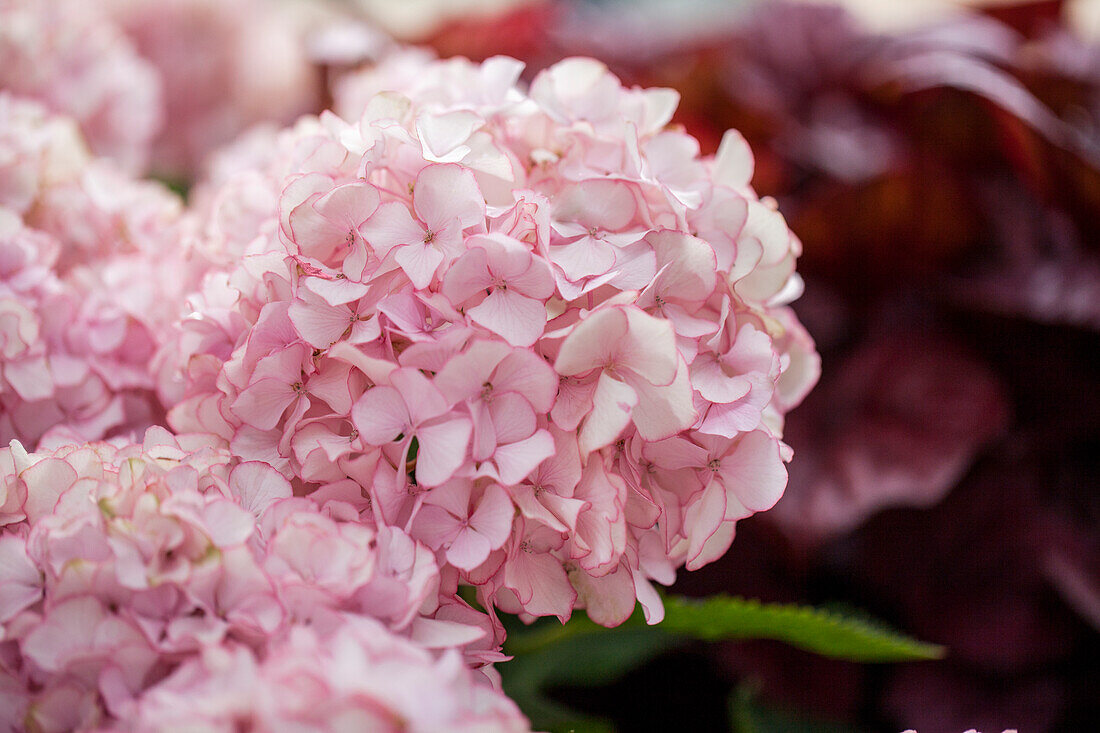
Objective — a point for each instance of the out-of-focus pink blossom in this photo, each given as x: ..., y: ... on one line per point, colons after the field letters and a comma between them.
x: 69, y: 56
x: 468, y: 311
x: 93, y: 269
x: 353, y: 675
x: 126, y: 571
x: 225, y: 65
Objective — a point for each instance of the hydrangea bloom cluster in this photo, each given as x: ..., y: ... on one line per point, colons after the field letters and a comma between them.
x: 68, y: 55
x: 158, y: 585
x: 80, y: 246
x: 532, y: 329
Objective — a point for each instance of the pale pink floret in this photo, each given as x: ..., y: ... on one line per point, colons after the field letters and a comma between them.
x: 445, y: 201
x: 513, y: 282
x: 639, y: 376
x: 468, y: 529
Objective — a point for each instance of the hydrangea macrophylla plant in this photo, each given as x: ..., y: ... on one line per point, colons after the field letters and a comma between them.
x: 92, y: 271
x: 533, y: 329
x: 138, y: 580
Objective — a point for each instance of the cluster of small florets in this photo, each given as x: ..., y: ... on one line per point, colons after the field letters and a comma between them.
x: 533, y: 329
x: 80, y: 245
x: 164, y: 583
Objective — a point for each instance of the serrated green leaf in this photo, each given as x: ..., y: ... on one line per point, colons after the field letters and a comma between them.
x: 828, y: 633
x: 582, y: 653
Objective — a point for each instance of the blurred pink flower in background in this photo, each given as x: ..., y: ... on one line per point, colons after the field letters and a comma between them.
x: 69, y: 56
x: 224, y: 65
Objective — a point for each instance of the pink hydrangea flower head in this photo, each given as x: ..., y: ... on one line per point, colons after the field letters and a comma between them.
x: 529, y: 327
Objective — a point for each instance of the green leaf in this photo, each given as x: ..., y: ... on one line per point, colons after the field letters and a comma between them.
x: 839, y: 635
x: 582, y: 653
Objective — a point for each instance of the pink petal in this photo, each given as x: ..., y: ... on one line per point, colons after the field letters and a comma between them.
x: 445, y: 193
x: 441, y: 133
x: 435, y: 526
x: 493, y: 516
x: 46, y: 481
x: 530, y: 375
x: 335, y: 292
x: 434, y: 633
x: 649, y: 348
x: 652, y: 606
x: 350, y: 202
x: 733, y: 163
x: 607, y: 204
x: 453, y: 495
x: 712, y: 382
x: 391, y: 225
x: 515, y: 461
x: 513, y: 418
x: 442, y: 450
x: 714, y: 547
x: 464, y: 375
x: 424, y: 400
x: 319, y: 325
x: 586, y: 257
x: 755, y: 472
x: 675, y: 453
x: 468, y: 550
x: 540, y: 583
x: 257, y: 486
x: 380, y: 415
x: 263, y: 403
x: 702, y: 518
x: 20, y: 580
x: 534, y: 509
x: 419, y: 260
x: 661, y: 412
x: 592, y: 343
x: 612, y: 404
x: 609, y: 599
x: 518, y: 319
x: 315, y: 234
x: 467, y: 276
x: 30, y: 378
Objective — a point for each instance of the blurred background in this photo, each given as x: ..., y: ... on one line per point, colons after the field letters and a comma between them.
x: 940, y: 161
